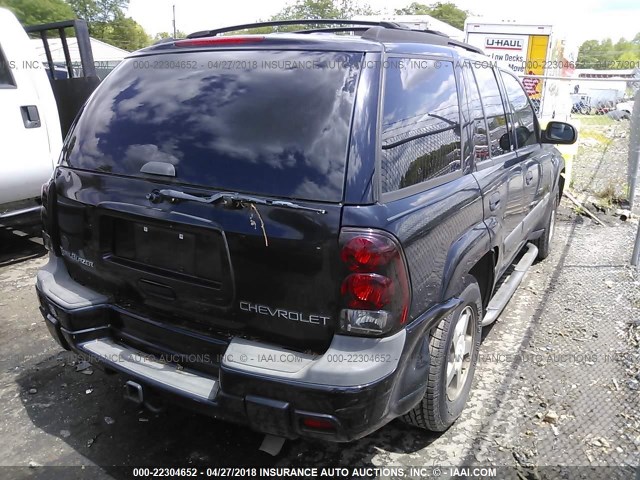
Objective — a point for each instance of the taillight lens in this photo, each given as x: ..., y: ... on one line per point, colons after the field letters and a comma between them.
x: 375, y: 290
x: 47, y: 216
x: 367, y: 253
x: 367, y: 290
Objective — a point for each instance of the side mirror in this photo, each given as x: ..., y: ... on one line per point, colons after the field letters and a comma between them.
x: 559, y: 133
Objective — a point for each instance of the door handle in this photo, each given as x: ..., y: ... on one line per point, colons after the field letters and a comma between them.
x: 528, y: 177
x: 30, y: 116
x: 494, y: 201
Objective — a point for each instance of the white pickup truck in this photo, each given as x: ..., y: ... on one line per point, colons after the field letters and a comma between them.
x: 30, y: 135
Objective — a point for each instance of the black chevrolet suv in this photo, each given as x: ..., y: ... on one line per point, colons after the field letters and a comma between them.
x: 300, y: 232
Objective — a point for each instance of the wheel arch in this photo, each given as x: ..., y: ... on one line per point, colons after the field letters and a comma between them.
x: 561, y: 180
x: 468, y: 254
x: 484, y: 272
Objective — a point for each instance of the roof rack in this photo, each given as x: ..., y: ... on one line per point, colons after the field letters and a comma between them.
x: 334, y: 30
x: 381, y: 31
x: 282, y: 23
x: 432, y: 37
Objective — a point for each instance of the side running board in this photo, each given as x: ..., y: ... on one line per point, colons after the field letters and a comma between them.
x: 508, y: 288
x: 22, y: 211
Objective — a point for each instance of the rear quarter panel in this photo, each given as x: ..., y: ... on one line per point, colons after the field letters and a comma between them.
x: 441, y: 231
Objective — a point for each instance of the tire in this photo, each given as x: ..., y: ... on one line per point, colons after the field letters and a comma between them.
x: 440, y: 407
x: 544, y: 242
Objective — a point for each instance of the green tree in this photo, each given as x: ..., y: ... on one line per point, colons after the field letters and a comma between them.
x: 107, y: 22
x: 606, y: 55
x: 98, y: 11
x: 414, y: 9
x: 125, y: 33
x: 315, y: 9
x: 588, y: 54
x: 447, y: 12
x: 33, y: 12
x: 310, y: 9
x: 163, y: 35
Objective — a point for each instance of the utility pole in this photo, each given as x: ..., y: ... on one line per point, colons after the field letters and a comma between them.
x: 174, y: 21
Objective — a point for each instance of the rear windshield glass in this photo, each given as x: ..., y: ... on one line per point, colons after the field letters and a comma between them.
x: 266, y: 122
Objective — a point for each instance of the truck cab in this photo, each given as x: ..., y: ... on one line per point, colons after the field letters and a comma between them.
x: 31, y: 135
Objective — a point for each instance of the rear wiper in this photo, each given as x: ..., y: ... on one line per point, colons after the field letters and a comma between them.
x: 232, y: 199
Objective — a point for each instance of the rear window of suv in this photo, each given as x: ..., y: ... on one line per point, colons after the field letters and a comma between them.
x: 274, y: 123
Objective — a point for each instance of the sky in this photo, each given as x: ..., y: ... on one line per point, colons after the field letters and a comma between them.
x: 582, y: 20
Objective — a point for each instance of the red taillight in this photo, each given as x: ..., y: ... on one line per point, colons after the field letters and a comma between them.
x: 47, y: 216
x: 369, y: 291
x: 375, y: 291
x: 203, y: 42
x: 367, y: 253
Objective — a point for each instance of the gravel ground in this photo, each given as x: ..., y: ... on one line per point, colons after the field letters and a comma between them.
x: 557, y: 382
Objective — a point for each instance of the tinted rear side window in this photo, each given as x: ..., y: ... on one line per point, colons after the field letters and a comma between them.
x: 420, y: 123
x: 493, y: 107
x: 477, y: 146
x: 523, y: 114
x: 265, y: 122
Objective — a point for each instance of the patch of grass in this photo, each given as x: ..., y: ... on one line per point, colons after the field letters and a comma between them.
x: 608, y: 195
x: 594, y: 119
x: 578, y: 210
x: 594, y: 134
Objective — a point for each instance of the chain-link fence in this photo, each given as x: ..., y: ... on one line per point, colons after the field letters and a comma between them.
x: 609, y: 93
x: 613, y: 95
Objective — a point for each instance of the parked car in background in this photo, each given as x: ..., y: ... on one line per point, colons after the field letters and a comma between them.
x: 31, y: 136
x: 299, y: 232
x: 626, y: 106
x: 603, y: 107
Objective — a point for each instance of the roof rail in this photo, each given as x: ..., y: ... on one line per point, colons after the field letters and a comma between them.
x: 365, y: 28
x: 379, y: 34
x: 380, y: 31
x: 334, y: 30
x: 281, y: 23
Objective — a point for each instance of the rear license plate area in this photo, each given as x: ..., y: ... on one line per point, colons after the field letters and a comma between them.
x: 195, y: 253
x: 163, y: 248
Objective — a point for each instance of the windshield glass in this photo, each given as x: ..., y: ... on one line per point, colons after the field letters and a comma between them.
x: 267, y: 122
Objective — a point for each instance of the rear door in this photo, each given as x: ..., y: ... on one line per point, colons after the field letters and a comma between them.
x: 535, y: 161
x: 501, y: 177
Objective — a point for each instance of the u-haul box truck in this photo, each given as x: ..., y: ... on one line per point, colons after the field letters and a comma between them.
x: 530, y: 49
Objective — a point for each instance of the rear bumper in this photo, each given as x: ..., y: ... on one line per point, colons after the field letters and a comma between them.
x: 354, y: 388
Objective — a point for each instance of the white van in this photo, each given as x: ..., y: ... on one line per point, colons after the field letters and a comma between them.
x: 30, y: 135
